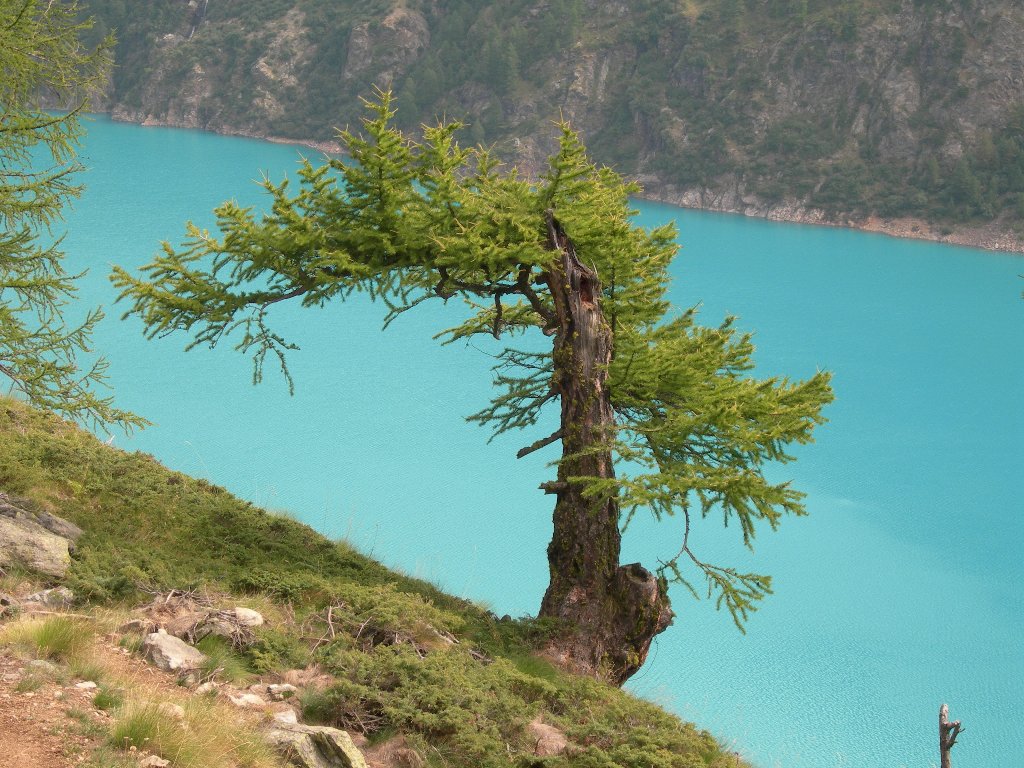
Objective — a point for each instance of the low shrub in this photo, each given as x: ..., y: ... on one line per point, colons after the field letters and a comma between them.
x: 275, y: 650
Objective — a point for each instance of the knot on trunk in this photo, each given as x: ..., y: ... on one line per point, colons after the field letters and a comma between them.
x: 611, y: 630
x: 646, y: 612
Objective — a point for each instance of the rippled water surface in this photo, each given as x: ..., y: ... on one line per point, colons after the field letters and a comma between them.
x: 900, y: 590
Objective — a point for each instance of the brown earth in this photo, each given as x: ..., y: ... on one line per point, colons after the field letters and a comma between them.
x: 54, y: 726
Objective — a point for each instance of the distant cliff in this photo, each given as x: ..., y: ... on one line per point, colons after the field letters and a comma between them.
x: 821, y: 110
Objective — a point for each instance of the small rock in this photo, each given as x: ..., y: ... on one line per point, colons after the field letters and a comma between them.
x: 286, y: 716
x: 206, y: 687
x: 153, y: 762
x: 281, y: 691
x: 42, y: 667
x: 550, y: 741
x: 245, y: 700
x: 248, y: 617
x: 58, y: 597
x: 171, y: 710
x: 137, y: 626
x: 34, y: 539
x: 87, y: 685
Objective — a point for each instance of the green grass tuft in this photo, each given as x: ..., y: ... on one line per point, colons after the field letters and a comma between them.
x: 204, y: 739
x: 57, y: 638
x: 223, y: 662
x: 108, y: 698
x: 29, y: 684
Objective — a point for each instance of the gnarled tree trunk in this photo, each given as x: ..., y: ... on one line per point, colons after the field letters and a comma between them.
x: 612, y: 612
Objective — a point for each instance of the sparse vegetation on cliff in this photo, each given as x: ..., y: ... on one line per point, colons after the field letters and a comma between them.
x: 893, y: 108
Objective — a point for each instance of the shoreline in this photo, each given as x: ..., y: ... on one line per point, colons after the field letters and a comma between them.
x: 990, y: 236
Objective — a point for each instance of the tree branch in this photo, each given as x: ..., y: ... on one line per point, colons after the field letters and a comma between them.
x: 496, y: 332
x: 538, y: 444
x: 554, y: 486
x: 523, y: 284
x: 284, y: 297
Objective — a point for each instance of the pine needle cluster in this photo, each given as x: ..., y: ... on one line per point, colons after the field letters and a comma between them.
x: 43, y: 63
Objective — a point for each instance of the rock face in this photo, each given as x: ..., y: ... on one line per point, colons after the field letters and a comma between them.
x: 311, y: 746
x: 171, y: 654
x: 33, y: 539
x: 387, y: 48
x: 711, y: 101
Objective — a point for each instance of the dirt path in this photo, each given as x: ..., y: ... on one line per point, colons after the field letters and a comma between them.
x: 52, y: 726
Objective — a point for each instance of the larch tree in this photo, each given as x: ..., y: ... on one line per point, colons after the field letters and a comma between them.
x: 654, y: 411
x: 42, y: 61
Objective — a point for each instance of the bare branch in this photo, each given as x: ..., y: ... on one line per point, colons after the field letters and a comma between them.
x: 538, y: 444
x: 496, y: 332
x: 554, y: 486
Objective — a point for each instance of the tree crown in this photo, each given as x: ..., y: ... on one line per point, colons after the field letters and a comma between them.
x: 408, y: 221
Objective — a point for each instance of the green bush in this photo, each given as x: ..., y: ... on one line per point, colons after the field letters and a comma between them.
x: 275, y: 650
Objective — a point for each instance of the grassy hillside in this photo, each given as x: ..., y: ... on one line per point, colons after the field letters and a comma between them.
x: 458, y: 682
x: 857, y: 107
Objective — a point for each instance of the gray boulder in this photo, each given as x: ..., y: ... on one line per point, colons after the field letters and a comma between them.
x: 17, y: 508
x: 549, y: 741
x: 171, y: 654
x: 315, y: 746
x: 35, y: 540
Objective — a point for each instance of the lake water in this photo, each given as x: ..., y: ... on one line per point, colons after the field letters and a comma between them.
x: 900, y: 591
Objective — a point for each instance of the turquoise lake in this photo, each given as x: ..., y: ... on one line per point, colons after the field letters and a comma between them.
x: 901, y: 589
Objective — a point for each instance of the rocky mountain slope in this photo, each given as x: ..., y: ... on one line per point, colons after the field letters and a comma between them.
x: 833, y: 109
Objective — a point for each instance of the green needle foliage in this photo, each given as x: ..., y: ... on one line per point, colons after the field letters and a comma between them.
x: 410, y: 221
x: 41, y: 59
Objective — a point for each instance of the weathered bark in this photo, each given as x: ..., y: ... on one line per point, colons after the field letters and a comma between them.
x: 611, y: 612
x: 947, y: 735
